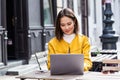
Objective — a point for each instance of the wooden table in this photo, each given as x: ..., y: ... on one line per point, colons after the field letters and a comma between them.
x: 87, y: 76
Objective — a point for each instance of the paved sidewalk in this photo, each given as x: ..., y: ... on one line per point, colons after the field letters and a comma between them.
x: 13, y: 77
x: 6, y: 77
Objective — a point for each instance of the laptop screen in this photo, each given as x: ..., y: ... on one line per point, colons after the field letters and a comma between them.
x: 70, y: 64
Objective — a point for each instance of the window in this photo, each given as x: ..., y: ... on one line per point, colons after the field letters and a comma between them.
x: 94, y: 11
x: 70, y: 4
x: 79, y: 6
x: 48, y: 15
x: 34, y: 13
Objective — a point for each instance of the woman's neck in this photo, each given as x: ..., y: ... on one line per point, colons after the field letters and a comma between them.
x: 68, y: 38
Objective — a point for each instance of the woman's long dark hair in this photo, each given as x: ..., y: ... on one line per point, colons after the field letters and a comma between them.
x: 68, y: 13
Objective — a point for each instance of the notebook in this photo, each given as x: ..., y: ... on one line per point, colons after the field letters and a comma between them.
x: 67, y: 64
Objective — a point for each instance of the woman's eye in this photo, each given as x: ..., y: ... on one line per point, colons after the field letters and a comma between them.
x: 69, y: 23
x: 62, y: 25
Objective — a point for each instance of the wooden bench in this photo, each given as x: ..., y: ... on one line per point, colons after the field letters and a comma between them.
x: 111, y: 65
x: 97, y: 61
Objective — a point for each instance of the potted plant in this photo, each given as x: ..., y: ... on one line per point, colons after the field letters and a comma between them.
x: 95, y: 53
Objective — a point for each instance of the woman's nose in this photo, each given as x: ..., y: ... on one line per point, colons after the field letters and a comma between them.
x: 66, y: 27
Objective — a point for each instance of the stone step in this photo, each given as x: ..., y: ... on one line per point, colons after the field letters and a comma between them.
x: 1, y: 66
x: 11, y: 64
x: 22, y: 69
x: 33, y: 65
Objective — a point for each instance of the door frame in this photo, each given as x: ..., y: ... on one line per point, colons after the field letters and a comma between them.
x: 4, y: 35
x: 20, y: 18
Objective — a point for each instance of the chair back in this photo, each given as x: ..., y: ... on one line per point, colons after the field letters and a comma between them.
x: 41, y: 58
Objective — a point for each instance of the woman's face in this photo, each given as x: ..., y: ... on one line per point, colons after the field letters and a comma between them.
x: 67, y: 25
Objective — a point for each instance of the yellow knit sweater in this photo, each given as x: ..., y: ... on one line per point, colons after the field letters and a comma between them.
x: 80, y: 44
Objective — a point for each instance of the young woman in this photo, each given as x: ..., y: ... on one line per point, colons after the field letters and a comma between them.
x: 68, y: 40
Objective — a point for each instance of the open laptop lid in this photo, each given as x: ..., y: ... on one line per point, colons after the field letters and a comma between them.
x: 70, y: 64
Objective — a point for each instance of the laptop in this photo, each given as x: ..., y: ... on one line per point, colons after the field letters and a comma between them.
x: 67, y: 64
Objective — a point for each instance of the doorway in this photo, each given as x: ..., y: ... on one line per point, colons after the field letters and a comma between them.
x: 17, y: 27
x: 11, y: 30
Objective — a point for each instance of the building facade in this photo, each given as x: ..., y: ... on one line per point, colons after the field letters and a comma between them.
x: 27, y: 25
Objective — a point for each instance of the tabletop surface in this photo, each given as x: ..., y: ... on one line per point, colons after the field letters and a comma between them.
x: 86, y: 76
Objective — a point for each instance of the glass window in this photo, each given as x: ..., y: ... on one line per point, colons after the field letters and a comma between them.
x: 94, y: 11
x: 48, y: 15
x: 34, y: 13
x: 79, y: 6
x: 70, y: 4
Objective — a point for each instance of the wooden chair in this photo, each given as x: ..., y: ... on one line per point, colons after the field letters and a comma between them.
x: 111, y: 65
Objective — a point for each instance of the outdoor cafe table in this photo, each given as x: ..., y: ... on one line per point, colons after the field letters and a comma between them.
x: 87, y: 76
